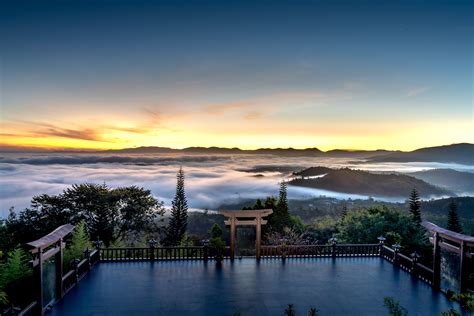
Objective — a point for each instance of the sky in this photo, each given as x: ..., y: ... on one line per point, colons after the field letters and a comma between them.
x: 248, y: 74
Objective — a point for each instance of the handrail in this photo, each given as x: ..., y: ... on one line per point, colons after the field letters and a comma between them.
x: 449, y: 235
x: 28, y: 310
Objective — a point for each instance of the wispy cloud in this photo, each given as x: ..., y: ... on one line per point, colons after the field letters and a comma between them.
x: 417, y: 91
x: 264, y: 105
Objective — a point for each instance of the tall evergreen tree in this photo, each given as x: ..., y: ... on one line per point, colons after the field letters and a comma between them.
x: 280, y: 217
x: 179, y: 214
x: 453, y: 220
x: 415, y: 206
x: 283, y: 197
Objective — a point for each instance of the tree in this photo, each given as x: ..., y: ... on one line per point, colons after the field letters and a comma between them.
x: 289, y: 310
x: 14, y: 277
x: 179, y: 213
x: 280, y: 218
x: 453, y: 220
x: 79, y: 243
x: 109, y: 214
x: 415, y: 206
x: 394, y: 307
x: 216, y: 243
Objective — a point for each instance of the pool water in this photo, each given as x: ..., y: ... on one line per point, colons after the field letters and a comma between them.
x: 341, y: 286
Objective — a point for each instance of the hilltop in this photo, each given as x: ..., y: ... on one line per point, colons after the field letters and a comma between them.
x: 365, y: 183
x: 456, y: 153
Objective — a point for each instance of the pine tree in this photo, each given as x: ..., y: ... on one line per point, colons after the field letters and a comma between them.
x: 79, y: 243
x: 453, y: 220
x: 280, y: 217
x: 179, y: 214
x: 415, y: 206
x: 283, y: 197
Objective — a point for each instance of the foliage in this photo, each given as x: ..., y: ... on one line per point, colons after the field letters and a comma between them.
x: 280, y: 218
x: 216, y: 243
x: 109, y: 214
x: 216, y: 231
x: 313, y: 312
x: 289, y: 310
x: 13, y: 274
x: 365, y: 225
x: 415, y: 206
x: 451, y: 312
x: 394, y: 307
x: 287, y: 237
x: 17, y: 267
x: 79, y: 243
x: 466, y: 300
x: 321, y: 230
x: 453, y: 220
x: 3, y: 295
x: 179, y: 214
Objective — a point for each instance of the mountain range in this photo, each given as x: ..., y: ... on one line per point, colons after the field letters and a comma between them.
x: 462, y: 153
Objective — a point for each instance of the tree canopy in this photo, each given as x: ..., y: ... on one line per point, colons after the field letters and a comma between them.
x: 453, y: 219
x: 109, y: 214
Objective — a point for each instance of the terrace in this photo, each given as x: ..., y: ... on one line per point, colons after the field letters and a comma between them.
x: 337, y: 279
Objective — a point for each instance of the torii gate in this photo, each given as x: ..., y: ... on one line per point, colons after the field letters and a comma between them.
x: 234, y: 219
x: 460, y: 244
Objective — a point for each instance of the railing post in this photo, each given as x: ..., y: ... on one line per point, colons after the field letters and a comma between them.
x: 75, y: 264
x: 396, y: 250
x: 381, y: 244
x: 87, y: 255
x: 152, y: 243
x: 415, y: 258
x: 97, y: 247
x: 205, y: 249
x: 333, y: 247
x: 436, y: 262
x: 59, y: 257
x: 463, y: 268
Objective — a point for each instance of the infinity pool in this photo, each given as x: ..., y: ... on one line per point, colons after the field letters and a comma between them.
x: 344, y: 286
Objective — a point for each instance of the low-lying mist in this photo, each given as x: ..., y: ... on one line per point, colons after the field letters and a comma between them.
x: 210, y: 180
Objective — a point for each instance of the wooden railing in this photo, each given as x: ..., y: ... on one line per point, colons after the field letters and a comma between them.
x: 72, y: 277
x: 165, y: 253
x: 28, y: 310
x: 311, y: 251
x: 410, y: 265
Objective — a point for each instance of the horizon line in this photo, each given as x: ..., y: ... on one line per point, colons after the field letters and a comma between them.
x: 10, y: 148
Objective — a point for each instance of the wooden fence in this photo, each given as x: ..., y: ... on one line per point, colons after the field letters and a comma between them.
x: 312, y: 251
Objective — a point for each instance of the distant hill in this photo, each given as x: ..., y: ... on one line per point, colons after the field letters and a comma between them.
x: 289, y: 152
x: 366, y: 183
x: 342, y: 153
x: 456, y: 153
x: 313, y: 171
x: 460, y: 182
x: 465, y: 206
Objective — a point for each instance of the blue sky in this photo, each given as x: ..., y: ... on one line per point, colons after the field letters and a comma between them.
x: 112, y: 74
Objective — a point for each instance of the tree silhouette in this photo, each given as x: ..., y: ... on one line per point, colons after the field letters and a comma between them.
x: 280, y: 217
x: 453, y: 220
x: 179, y: 214
x: 415, y: 206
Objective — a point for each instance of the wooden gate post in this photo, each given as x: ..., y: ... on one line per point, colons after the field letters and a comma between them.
x: 436, y: 261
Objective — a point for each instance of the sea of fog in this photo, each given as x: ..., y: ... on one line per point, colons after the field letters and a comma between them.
x: 211, y: 180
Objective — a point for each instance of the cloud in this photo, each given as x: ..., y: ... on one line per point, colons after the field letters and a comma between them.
x: 253, y: 115
x: 417, y: 91
x: 113, y: 159
x: 258, y: 107
x: 40, y: 129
